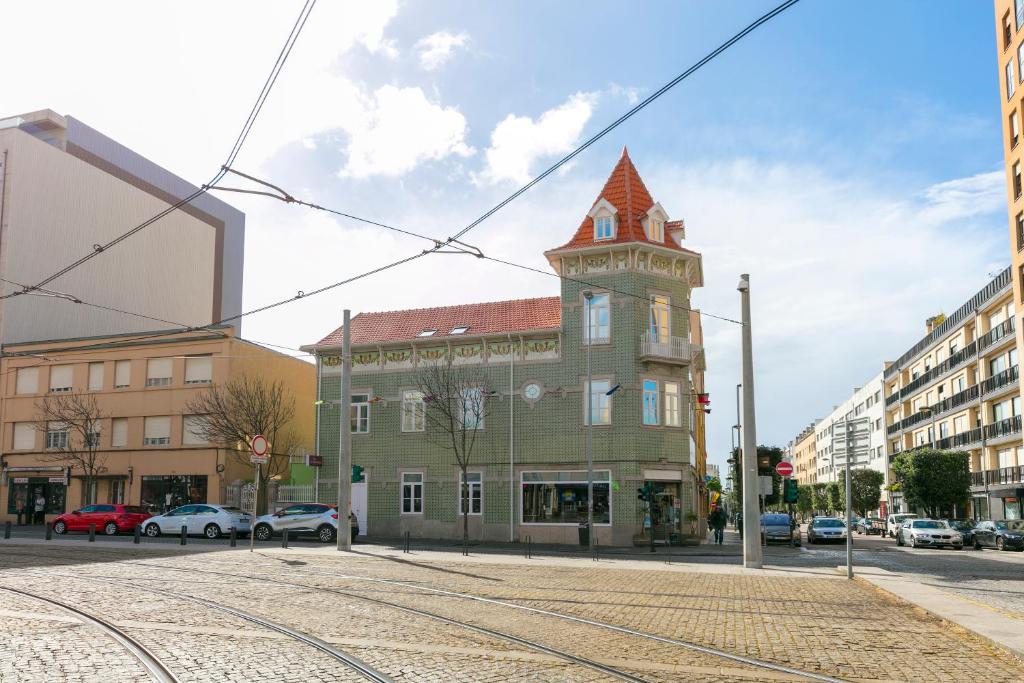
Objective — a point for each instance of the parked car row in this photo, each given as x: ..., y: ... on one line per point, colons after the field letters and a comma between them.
x: 207, y: 519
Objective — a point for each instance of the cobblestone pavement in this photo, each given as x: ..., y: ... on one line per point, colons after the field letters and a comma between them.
x: 803, y: 620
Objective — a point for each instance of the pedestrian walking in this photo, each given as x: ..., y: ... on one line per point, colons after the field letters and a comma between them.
x: 21, y: 508
x: 718, y: 520
x: 40, y: 508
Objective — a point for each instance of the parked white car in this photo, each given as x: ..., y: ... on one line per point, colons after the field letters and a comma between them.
x: 211, y: 521
x: 928, y: 532
x: 303, y: 518
x: 825, y: 529
x: 894, y: 522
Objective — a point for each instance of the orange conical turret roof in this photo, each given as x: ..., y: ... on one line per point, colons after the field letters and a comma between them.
x: 624, y: 190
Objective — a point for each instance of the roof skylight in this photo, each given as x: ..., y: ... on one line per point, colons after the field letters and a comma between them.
x: 428, y: 333
x: 461, y: 329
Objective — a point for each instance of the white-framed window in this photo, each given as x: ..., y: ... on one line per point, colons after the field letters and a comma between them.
x: 960, y: 424
x: 414, y: 411
x: 427, y: 333
x: 412, y: 493
x: 1010, y: 80
x: 471, y: 405
x: 92, y: 439
x: 192, y: 431
x: 943, y: 429
x: 959, y: 384
x: 56, y: 435
x: 158, y: 372
x: 460, y: 329
x: 117, y: 490
x: 656, y: 230
x: 359, y: 413
x: 198, y: 369
x: 119, y: 432
x: 601, y: 403
x: 95, y: 376
x: 1015, y: 125
x: 28, y: 381
x: 157, y: 431
x: 560, y: 497
x: 604, y: 227
x: 24, y: 436
x: 660, y: 323
x: 1016, y: 180
x: 650, y: 416
x: 122, y: 374
x: 673, y: 405
x: 471, y: 493
x: 597, y: 319
x: 61, y: 378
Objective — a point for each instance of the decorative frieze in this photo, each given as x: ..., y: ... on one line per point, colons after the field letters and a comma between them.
x: 485, y: 352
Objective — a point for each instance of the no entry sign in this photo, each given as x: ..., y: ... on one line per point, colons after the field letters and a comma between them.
x: 784, y: 469
x: 259, y: 447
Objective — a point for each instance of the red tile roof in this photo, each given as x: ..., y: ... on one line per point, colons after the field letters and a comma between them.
x: 626, y: 191
x: 495, y: 317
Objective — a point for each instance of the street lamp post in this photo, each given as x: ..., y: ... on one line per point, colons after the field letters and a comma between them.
x: 589, y: 295
x: 752, y: 554
x: 344, y: 534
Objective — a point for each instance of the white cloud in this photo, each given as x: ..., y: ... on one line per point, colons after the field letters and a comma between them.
x: 518, y: 141
x: 970, y: 196
x: 399, y: 129
x: 437, y: 48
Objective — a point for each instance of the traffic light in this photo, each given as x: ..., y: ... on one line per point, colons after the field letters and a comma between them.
x: 357, y: 474
x: 645, y: 492
x: 791, y: 491
x: 764, y: 463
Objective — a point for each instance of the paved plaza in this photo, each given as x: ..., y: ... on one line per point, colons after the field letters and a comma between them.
x: 438, y: 616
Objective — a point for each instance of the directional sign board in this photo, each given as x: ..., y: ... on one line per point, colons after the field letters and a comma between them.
x: 784, y: 469
x: 853, y: 438
x: 260, y: 448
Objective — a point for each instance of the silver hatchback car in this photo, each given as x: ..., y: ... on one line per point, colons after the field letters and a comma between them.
x: 207, y: 519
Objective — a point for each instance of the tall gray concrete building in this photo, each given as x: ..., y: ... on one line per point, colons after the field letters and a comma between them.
x: 65, y: 187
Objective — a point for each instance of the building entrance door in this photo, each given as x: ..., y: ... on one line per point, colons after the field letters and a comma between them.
x: 665, y: 511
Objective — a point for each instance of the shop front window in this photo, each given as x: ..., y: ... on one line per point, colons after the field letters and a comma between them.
x: 25, y: 492
x: 561, y: 497
x: 1011, y: 508
x: 166, y: 492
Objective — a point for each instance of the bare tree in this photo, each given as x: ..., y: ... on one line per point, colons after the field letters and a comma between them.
x: 71, y: 425
x: 456, y: 407
x: 230, y: 414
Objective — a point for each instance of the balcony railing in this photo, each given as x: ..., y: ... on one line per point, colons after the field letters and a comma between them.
x: 1010, y: 425
x: 669, y: 348
x: 1001, y: 476
x: 933, y: 374
x: 1004, y: 378
x: 1004, y: 329
x: 955, y: 401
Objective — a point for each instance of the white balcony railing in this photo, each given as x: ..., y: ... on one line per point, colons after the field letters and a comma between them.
x: 670, y: 348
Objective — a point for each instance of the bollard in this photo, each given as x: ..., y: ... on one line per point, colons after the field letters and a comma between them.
x: 234, y: 537
x: 92, y: 533
x: 406, y: 540
x: 7, y: 530
x: 284, y: 538
x: 184, y: 534
x: 138, y: 534
x: 597, y: 551
x: 49, y: 531
x: 529, y: 547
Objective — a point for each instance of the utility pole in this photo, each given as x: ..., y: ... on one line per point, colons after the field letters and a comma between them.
x: 588, y: 295
x: 345, y: 439
x: 849, y: 499
x: 753, y: 556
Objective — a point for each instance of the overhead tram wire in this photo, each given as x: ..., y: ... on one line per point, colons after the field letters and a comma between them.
x: 764, y: 18
x: 250, y: 121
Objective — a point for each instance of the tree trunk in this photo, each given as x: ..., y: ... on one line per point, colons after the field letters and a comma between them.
x: 465, y: 507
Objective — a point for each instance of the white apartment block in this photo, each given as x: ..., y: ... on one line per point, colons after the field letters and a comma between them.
x: 65, y: 190
x: 865, y: 402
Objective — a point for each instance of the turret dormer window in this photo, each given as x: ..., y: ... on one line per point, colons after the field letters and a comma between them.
x: 654, y: 223
x: 657, y: 231
x: 605, y: 217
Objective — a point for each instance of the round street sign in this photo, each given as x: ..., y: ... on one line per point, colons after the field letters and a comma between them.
x: 784, y: 469
x: 259, y: 445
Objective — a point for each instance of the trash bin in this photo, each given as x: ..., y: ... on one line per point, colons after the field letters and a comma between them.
x: 584, y: 534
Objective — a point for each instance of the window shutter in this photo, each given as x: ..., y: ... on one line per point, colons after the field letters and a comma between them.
x: 119, y: 431
x: 191, y: 433
x: 198, y: 370
x: 28, y: 380
x: 95, y: 376
x: 158, y: 368
x: 122, y: 373
x: 60, y: 377
x: 24, y: 436
x: 158, y: 428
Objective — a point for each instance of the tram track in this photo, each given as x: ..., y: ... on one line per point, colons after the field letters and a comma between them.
x: 157, y: 670
x: 693, y: 647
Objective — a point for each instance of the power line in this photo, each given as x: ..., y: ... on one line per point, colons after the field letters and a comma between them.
x: 629, y: 114
x: 250, y: 121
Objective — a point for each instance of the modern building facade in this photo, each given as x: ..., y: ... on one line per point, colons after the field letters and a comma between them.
x: 66, y: 189
x: 958, y: 389
x: 864, y: 405
x: 149, y: 453
x: 804, y: 456
x: 625, y: 302
x: 1009, y: 15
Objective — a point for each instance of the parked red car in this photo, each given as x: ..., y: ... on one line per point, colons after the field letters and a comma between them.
x: 108, y: 518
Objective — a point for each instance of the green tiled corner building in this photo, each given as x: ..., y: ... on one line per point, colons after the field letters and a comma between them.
x: 532, y: 355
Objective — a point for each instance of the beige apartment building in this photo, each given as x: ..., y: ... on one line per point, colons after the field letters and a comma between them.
x: 958, y: 389
x: 805, y: 456
x: 149, y: 452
